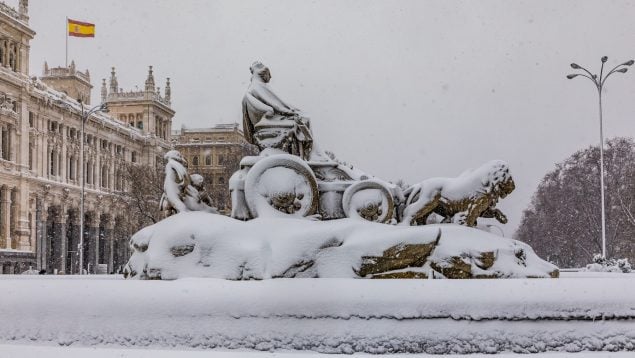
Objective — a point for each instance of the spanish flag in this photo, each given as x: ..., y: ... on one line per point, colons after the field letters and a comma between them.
x: 80, y: 29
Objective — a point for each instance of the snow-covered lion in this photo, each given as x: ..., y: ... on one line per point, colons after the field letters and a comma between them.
x: 460, y: 200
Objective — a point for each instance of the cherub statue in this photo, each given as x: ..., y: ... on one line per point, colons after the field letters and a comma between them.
x: 175, y: 184
x: 261, y: 103
x: 197, y: 198
x: 182, y: 192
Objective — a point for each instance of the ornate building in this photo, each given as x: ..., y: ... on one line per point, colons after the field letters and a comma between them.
x: 214, y: 153
x: 40, y: 171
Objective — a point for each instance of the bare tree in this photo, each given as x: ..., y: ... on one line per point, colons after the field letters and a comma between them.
x: 144, y: 186
x: 562, y: 222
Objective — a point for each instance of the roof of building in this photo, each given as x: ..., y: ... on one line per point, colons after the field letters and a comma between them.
x: 222, y: 127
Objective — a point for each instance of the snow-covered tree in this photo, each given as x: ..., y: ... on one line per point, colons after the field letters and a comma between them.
x: 562, y: 222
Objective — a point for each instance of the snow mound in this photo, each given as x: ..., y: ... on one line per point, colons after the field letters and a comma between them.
x: 198, y: 244
x: 602, y: 264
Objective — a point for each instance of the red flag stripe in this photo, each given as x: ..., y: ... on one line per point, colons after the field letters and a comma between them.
x: 77, y: 34
x: 80, y: 23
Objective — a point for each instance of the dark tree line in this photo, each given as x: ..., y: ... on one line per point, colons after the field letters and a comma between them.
x: 562, y: 223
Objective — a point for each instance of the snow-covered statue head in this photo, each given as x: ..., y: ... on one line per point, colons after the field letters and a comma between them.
x: 499, y: 179
x: 269, y: 122
x: 175, y: 155
x: 260, y: 71
x: 460, y: 200
x: 197, y: 180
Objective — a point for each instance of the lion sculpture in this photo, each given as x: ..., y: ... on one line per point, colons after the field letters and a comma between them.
x: 460, y: 200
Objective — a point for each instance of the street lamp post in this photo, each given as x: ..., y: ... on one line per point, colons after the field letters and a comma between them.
x: 599, y: 84
x: 84, y: 115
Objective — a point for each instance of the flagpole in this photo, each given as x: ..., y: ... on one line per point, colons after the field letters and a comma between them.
x: 66, y: 31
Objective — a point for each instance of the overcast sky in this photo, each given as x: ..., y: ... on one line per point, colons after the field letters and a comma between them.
x: 402, y: 89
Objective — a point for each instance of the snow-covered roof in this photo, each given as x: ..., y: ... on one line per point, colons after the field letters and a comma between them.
x: 60, y: 99
x: 222, y: 127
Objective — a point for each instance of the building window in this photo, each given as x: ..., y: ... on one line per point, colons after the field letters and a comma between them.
x: 103, y: 176
x: 221, y: 159
x: 31, y: 119
x: 140, y: 124
x: 52, y: 163
x: 30, y: 156
x: 221, y: 180
x: 133, y: 157
x: 208, y: 159
x: 195, y: 160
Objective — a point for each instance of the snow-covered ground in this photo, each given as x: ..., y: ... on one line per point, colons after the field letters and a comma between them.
x: 23, y: 351
x: 578, y: 312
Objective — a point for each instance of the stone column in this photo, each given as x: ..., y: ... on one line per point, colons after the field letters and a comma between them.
x: 63, y: 174
x: 4, y: 236
x: 59, y: 240
x: 22, y: 144
x: 97, y: 174
x: 72, y: 236
x: 110, y: 242
x: 13, y: 224
x: 92, y: 255
x: 1, y: 141
x: 111, y: 175
x: 5, y: 201
x: 12, y: 144
x: 41, y: 215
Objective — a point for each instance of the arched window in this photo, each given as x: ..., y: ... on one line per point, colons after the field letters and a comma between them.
x: 195, y: 160
x: 140, y: 124
x: 208, y: 159
x: 221, y: 180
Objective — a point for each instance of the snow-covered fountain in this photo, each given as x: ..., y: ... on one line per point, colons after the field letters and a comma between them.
x: 298, y: 211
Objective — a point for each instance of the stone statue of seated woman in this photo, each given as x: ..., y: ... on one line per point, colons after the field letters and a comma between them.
x: 269, y: 122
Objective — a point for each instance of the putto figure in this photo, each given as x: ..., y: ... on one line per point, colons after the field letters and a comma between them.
x: 269, y: 122
x: 197, y: 198
x: 181, y: 192
x: 175, y: 183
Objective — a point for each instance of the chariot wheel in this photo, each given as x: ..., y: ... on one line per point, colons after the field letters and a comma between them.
x: 281, y: 185
x: 369, y: 200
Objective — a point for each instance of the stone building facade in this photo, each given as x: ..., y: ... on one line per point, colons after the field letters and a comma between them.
x: 214, y: 153
x: 40, y: 172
